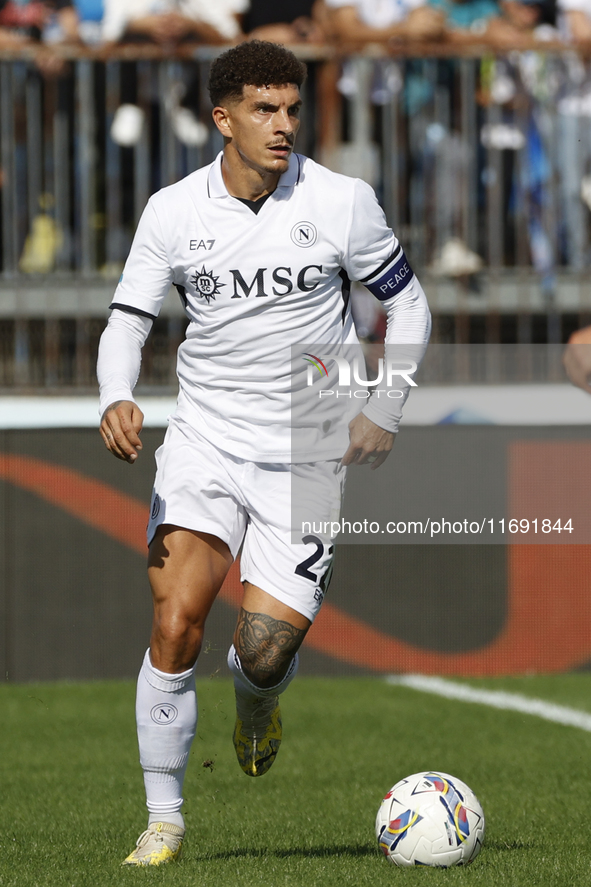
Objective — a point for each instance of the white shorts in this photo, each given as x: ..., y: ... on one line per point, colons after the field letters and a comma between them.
x: 249, y: 504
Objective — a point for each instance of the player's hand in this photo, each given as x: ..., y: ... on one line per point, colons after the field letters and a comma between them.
x: 168, y: 27
x: 577, y: 358
x: 120, y: 429
x: 49, y: 62
x: 424, y: 23
x: 368, y: 443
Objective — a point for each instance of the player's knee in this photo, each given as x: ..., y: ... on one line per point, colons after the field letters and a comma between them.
x: 266, y: 647
x: 178, y: 631
x: 260, y: 671
x: 263, y: 678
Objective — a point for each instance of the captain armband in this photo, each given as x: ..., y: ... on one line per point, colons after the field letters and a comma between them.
x: 391, y: 278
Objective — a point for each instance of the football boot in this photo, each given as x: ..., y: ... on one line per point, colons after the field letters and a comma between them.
x: 161, y: 842
x: 257, y: 734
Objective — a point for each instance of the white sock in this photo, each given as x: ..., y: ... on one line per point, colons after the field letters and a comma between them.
x: 245, y: 688
x: 166, y: 714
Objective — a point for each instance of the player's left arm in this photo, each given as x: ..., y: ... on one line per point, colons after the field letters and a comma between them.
x: 379, y: 262
x: 136, y: 304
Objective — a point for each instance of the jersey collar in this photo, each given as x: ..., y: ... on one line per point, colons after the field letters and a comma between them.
x: 216, y: 187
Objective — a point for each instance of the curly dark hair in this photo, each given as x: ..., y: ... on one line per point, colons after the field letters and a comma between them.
x: 256, y: 63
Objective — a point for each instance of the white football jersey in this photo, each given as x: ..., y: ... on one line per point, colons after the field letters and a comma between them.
x: 253, y: 285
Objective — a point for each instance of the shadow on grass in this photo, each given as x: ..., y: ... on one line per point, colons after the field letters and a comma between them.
x: 350, y: 850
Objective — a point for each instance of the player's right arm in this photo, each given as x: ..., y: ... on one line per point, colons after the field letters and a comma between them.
x: 118, y: 368
x: 144, y: 283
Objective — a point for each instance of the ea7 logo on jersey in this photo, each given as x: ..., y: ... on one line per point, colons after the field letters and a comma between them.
x: 206, y: 284
x: 304, y: 234
x: 201, y: 244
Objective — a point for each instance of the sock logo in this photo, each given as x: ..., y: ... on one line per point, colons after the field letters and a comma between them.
x: 165, y: 713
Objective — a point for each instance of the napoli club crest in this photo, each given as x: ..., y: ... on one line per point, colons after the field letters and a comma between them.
x: 206, y: 284
x: 304, y: 234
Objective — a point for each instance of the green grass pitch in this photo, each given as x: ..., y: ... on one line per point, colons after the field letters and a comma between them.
x: 72, y: 800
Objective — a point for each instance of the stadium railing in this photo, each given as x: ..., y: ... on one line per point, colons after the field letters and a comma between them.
x: 480, y: 162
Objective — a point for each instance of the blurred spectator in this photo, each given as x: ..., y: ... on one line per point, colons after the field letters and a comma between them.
x: 90, y: 20
x: 10, y: 39
x: 508, y: 24
x: 466, y: 20
x: 379, y: 21
x: 43, y: 242
x: 534, y: 17
x: 172, y: 21
x: 62, y: 25
x: 574, y: 20
x: 16, y: 22
x: 48, y: 22
x: 168, y: 23
x: 33, y: 20
x: 292, y: 21
x: 522, y: 23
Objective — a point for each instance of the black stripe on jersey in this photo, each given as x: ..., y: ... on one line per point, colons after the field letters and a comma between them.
x: 395, y: 255
x: 299, y: 168
x: 131, y: 310
x: 345, y: 291
x: 182, y: 293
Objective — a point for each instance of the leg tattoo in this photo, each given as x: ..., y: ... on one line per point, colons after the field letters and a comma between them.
x: 266, y: 647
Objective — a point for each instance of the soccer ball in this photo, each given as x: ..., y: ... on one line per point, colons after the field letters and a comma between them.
x: 430, y: 819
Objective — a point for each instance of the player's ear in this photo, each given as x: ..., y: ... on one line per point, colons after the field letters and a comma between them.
x: 221, y: 118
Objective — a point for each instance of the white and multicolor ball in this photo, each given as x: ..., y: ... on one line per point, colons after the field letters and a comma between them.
x: 431, y: 819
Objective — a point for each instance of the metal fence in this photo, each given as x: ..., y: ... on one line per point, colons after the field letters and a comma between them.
x: 482, y: 165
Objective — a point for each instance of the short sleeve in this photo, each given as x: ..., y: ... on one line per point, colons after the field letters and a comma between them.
x: 375, y: 258
x: 147, y: 275
x: 371, y: 241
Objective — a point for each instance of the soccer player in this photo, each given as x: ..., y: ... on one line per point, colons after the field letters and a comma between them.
x: 261, y: 245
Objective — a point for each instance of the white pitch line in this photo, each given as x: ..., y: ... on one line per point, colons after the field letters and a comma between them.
x: 549, y: 711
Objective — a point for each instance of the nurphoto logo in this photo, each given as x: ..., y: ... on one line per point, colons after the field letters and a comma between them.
x: 387, y: 370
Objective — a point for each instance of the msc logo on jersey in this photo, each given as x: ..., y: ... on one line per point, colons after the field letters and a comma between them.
x: 165, y: 713
x: 265, y: 282
x: 304, y: 234
x: 305, y: 280
x: 206, y: 284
